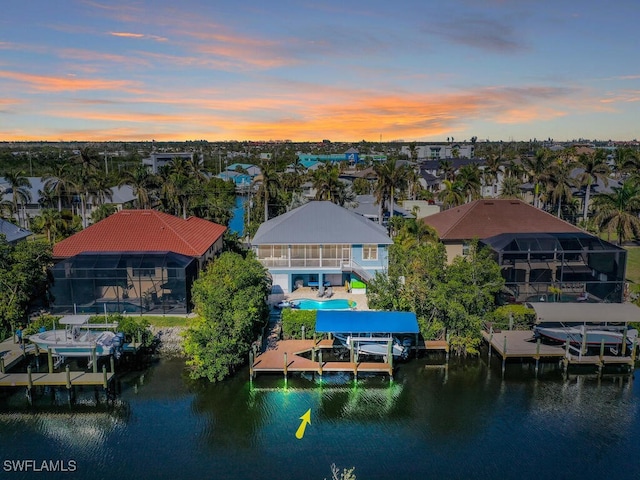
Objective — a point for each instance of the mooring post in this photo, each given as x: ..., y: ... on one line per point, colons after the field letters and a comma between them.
x: 490, y: 340
x: 390, y: 353
x: 504, y: 356
x: 112, y: 364
x: 68, y: 376
x: 29, y: 378
x: 50, y: 359
x: 601, y: 350
x: 105, y: 380
x: 320, y: 361
x: 286, y: 365
x: 94, y: 359
x: 537, y: 356
x: 2, y: 365
x: 251, y: 364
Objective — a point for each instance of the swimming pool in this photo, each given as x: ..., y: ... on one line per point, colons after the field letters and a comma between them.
x: 335, y: 304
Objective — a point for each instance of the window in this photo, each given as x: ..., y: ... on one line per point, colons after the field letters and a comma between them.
x: 370, y: 252
x: 465, y: 249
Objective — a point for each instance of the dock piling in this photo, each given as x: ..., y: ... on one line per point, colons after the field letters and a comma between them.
x: 68, y: 371
x: 50, y: 359
x: 112, y: 364
x: 94, y: 360
x: 2, y: 365
x: 250, y: 364
x: 105, y: 381
x: 504, y: 356
x: 537, y: 356
x: 29, y: 378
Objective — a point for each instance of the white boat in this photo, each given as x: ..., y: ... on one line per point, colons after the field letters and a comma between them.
x: 591, y: 335
x: 368, y: 345
x: 79, y: 338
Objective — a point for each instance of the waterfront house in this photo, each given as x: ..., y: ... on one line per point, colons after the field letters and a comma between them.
x: 541, y: 256
x: 320, y: 244
x: 133, y: 261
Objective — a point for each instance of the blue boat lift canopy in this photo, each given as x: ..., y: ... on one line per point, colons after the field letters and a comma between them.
x: 349, y: 321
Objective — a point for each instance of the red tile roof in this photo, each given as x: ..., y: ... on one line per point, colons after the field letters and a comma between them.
x: 143, y: 231
x: 486, y: 218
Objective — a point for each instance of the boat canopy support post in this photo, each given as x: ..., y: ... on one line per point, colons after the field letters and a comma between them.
x: 50, y: 359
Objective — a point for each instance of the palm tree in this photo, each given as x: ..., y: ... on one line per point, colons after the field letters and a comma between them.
x: 270, y: 186
x: 326, y: 182
x: 19, y: 186
x: 511, y: 188
x: 595, y: 168
x: 618, y: 211
x: 445, y: 167
x: 535, y: 168
x: 391, y: 177
x: 469, y: 179
x: 559, y: 182
x: 60, y: 183
x: 49, y: 220
x: 452, y: 195
x: 142, y: 182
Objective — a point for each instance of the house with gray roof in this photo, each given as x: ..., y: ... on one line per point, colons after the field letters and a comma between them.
x: 320, y: 244
x: 11, y: 232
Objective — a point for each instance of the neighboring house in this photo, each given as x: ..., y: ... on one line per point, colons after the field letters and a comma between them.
x: 368, y: 207
x: 121, y: 197
x: 541, y: 256
x: 424, y: 152
x: 241, y: 180
x: 160, y: 159
x: 12, y: 233
x: 321, y: 243
x: 134, y: 261
x: 251, y: 169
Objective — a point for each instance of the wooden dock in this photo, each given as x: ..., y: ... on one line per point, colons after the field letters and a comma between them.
x: 61, y: 379
x: 287, y: 357
x: 12, y: 353
x: 521, y: 344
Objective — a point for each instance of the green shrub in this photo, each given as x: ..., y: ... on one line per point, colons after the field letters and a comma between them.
x: 523, y: 317
x: 47, y: 321
x: 293, y: 320
x: 134, y: 328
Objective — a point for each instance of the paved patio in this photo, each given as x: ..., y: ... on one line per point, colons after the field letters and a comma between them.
x: 338, y: 292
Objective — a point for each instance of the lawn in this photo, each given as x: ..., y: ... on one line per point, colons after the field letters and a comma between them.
x: 633, y: 265
x: 159, y: 321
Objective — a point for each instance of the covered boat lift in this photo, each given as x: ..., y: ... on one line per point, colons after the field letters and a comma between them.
x: 366, y: 322
x: 585, y: 313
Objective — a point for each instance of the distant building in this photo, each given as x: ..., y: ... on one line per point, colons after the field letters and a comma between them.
x: 160, y: 159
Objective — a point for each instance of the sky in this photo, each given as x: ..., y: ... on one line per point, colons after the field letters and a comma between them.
x: 346, y: 70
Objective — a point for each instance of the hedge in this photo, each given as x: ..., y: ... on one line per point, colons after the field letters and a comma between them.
x: 293, y: 320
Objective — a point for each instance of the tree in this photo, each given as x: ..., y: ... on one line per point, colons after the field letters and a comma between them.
x: 510, y: 188
x: 618, y: 211
x: 49, y: 221
x: 230, y: 300
x: 270, y: 186
x: 60, y: 183
x: 595, y: 168
x: 559, y: 182
x: 142, y: 182
x: 535, y: 168
x: 451, y: 195
x: 391, y: 178
x: 23, y: 278
x: 19, y: 185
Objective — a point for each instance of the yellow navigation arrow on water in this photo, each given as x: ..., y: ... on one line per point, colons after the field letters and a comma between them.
x: 306, y: 419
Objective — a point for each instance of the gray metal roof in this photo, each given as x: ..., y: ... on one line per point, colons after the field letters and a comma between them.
x: 585, y: 312
x: 12, y: 232
x: 320, y: 223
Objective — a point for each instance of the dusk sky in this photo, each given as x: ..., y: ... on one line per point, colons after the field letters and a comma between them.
x: 311, y: 70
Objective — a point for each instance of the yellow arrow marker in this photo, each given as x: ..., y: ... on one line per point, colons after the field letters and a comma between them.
x: 306, y: 419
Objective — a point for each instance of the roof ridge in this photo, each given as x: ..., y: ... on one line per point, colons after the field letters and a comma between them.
x: 462, y: 217
x: 175, y: 232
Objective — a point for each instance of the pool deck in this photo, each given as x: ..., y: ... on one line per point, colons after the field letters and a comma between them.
x: 338, y: 293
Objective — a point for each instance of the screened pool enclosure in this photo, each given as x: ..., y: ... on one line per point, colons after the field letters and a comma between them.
x: 557, y: 267
x: 153, y: 282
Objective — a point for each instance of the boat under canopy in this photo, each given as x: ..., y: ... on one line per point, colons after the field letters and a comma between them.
x: 370, y: 332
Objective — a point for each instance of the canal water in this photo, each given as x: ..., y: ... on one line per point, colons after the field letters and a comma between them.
x: 460, y: 422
